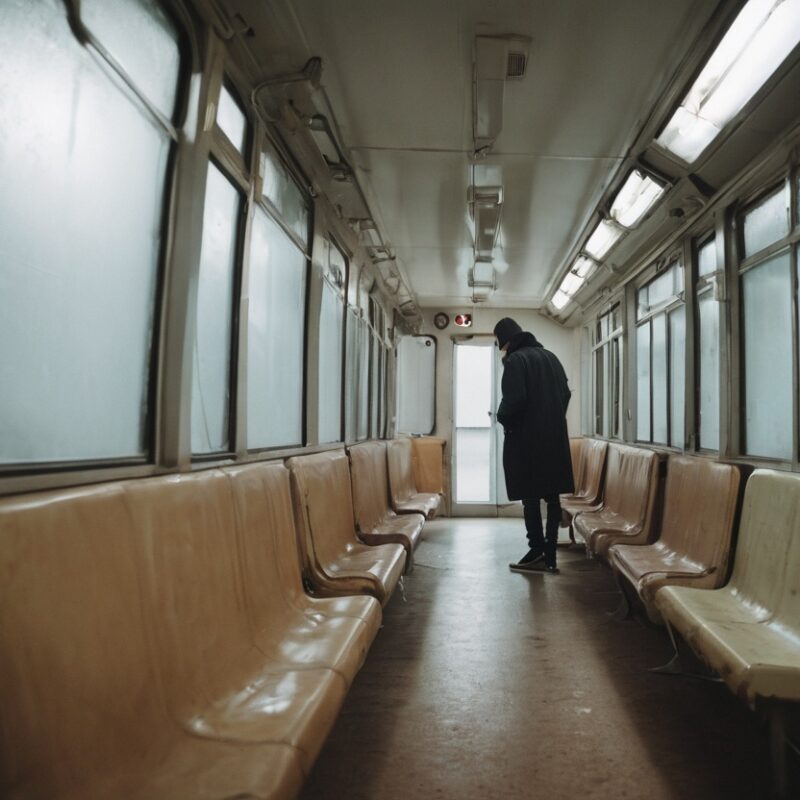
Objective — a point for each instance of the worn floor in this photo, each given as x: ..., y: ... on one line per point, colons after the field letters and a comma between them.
x: 488, y: 684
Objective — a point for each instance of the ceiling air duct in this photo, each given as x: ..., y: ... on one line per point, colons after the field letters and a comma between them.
x: 497, y: 59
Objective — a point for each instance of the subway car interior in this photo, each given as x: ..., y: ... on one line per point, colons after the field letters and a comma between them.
x: 256, y: 534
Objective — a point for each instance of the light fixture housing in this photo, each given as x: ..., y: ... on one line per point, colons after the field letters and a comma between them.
x: 603, y: 238
x: 638, y: 195
x: 486, y: 207
x: 761, y: 37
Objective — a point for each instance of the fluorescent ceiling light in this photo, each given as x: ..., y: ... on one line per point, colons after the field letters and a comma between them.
x: 756, y: 44
x: 602, y: 239
x: 583, y: 266
x: 635, y: 198
x: 571, y: 284
x: 560, y: 300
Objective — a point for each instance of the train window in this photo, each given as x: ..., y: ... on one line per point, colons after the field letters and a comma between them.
x: 661, y: 353
x: 80, y: 260
x: 213, y: 341
x: 279, y: 188
x: 767, y: 320
x: 331, y: 345
x: 142, y: 40
x: 643, y: 383
x: 708, y: 312
x: 362, y: 380
x: 351, y: 377
x: 766, y: 222
x: 275, y: 341
x: 608, y: 375
x: 231, y: 119
x: 677, y: 375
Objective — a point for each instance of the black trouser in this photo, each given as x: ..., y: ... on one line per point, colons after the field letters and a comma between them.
x: 539, y: 540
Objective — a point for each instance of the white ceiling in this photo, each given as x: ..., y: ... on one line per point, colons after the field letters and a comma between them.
x: 399, y: 77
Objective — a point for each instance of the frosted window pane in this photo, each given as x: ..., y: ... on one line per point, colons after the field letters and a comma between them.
x: 677, y: 362
x: 768, y: 358
x: 766, y: 223
x: 331, y: 322
x: 709, y: 371
x: 231, y: 120
x: 473, y: 386
x: 281, y: 190
x: 643, y: 382
x: 212, y: 347
x: 707, y: 258
x: 474, y: 465
x: 363, y: 380
x: 659, y: 346
x: 142, y: 38
x: 416, y: 382
x: 351, y: 377
x: 275, y: 337
x: 663, y: 287
x: 79, y: 260
x: 642, y: 306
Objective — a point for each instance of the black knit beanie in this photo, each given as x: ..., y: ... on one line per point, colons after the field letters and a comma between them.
x: 504, y: 330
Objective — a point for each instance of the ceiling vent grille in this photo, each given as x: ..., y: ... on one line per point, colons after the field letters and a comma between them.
x: 515, y: 66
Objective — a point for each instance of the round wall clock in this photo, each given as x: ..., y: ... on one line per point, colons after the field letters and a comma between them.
x: 441, y: 320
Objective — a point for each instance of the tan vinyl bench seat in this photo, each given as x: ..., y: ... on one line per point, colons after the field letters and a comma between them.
x: 403, y: 491
x: 90, y: 708
x: 629, y: 501
x: 377, y: 523
x: 749, y: 630
x: 300, y: 630
x: 693, y: 548
x: 338, y: 563
x: 589, y: 478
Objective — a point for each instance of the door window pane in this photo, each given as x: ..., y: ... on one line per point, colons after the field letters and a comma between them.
x: 231, y: 120
x: 275, y: 337
x: 768, y: 358
x: 766, y: 223
x: 474, y: 465
x: 708, y: 309
x: 212, y: 347
x: 643, y: 382
x: 143, y: 40
x: 81, y: 204
x: 677, y: 350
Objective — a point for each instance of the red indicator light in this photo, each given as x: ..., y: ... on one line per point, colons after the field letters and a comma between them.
x: 463, y: 320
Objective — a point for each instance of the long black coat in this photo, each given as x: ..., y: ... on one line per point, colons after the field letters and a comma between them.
x: 536, y: 456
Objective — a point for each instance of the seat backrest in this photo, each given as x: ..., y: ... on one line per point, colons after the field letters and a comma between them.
x: 401, y: 478
x: 326, y: 499
x: 593, y: 469
x: 631, y: 482
x: 268, y: 543
x: 370, y: 483
x: 576, y: 452
x: 700, y: 502
x: 191, y: 585
x: 427, y: 463
x: 770, y: 519
x: 78, y: 691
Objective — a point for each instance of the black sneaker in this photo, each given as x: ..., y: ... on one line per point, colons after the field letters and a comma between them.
x: 534, y: 566
x: 531, y: 557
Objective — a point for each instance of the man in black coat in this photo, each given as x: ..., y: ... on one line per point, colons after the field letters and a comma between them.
x: 536, y: 456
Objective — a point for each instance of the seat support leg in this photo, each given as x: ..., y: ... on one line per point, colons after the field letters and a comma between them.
x: 777, y: 746
x: 675, y: 665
